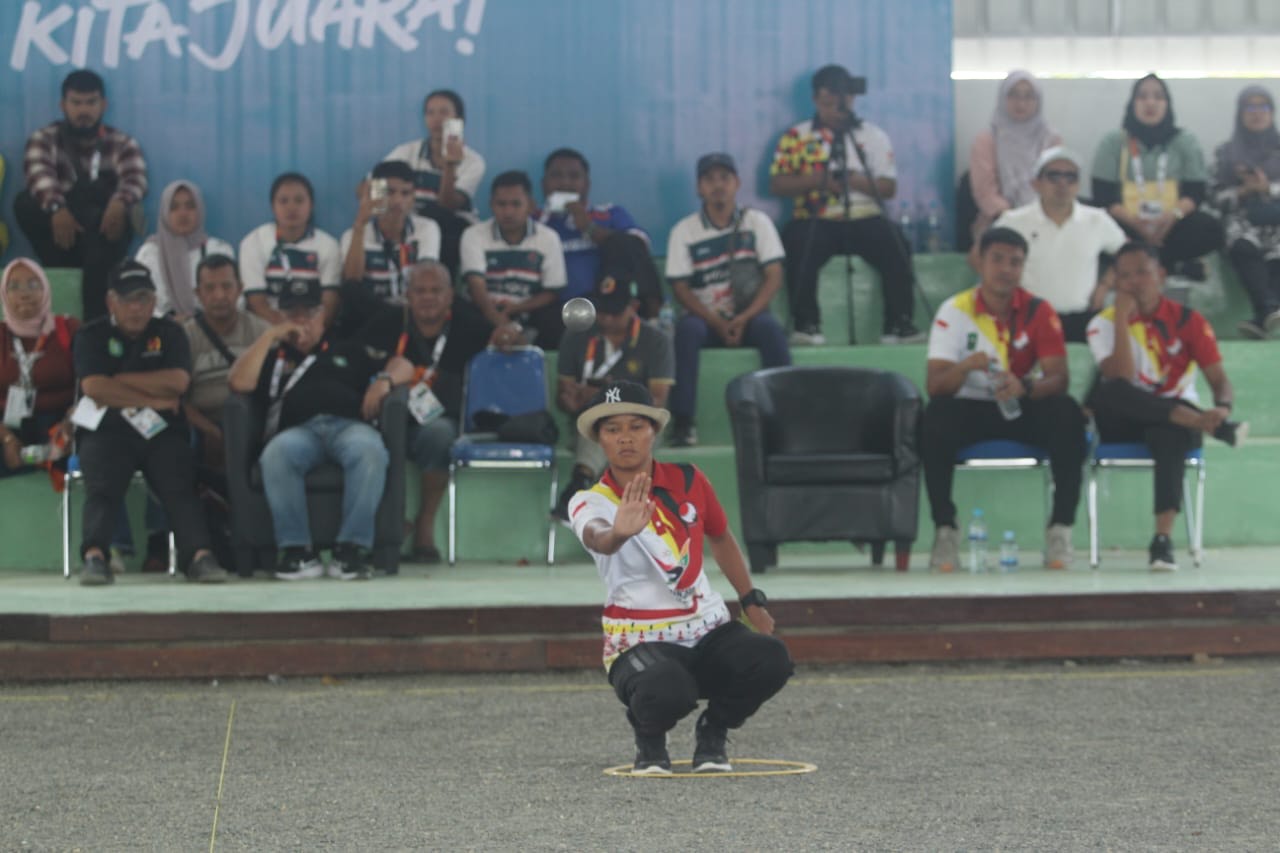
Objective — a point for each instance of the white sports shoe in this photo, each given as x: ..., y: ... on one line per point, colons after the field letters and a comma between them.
x: 1058, y: 552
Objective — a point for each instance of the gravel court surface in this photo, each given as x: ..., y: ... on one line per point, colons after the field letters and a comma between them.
x: 987, y: 757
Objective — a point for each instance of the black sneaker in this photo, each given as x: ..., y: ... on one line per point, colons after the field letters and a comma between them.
x: 349, y: 563
x: 709, y: 754
x: 577, y: 483
x: 1161, y: 553
x: 95, y: 572
x: 1232, y: 433
x: 299, y: 564
x: 651, y: 756
x: 205, y: 569
x: 904, y: 332
x: 683, y: 435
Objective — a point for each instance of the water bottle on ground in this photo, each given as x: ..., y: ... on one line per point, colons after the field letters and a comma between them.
x: 1008, y: 553
x: 1011, y: 408
x: 977, y: 543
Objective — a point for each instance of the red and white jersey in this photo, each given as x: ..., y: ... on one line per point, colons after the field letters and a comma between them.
x: 657, y: 589
x: 1166, y: 347
x: 964, y: 326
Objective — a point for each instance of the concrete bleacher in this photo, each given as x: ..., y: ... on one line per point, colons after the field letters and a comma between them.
x: 503, y: 518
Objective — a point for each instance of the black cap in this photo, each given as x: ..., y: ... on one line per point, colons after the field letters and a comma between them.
x: 299, y: 293
x: 613, y: 294
x: 836, y: 78
x: 130, y: 277
x: 715, y: 160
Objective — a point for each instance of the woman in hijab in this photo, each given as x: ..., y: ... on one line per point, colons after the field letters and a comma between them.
x: 178, y: 245
x: 1002, y: 160
x: 1150, y: 176
x: 37, y: 376
x: 1246, y: 190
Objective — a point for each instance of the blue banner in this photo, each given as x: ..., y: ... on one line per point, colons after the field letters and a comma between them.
x: 230, y: 93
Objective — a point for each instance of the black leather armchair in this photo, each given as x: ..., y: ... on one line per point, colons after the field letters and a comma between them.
x: 252, y: 534
x: 826, y: 453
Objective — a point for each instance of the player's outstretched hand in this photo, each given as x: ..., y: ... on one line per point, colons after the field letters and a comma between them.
x: 636, y: 507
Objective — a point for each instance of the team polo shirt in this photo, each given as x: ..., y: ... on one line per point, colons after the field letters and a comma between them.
x: 101, y: 349
x: 1166, y: 347
x: 646, y: 355
x: 581, y: 254
x: 963, y: 326
x: 427, y: 178
x: 657, y: 590
x: 387, y: 262
x: 334, y: 384
x: 267, y: 264
x: 466, y: 334
x: 701, y: 254
x: 513, y: 272
x: 805, y: 149
x: 1062, y: 260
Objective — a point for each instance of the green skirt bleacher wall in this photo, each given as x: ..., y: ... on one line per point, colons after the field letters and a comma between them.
x: 503, y: 515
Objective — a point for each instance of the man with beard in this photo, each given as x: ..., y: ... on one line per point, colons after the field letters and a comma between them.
x: 83, y: 179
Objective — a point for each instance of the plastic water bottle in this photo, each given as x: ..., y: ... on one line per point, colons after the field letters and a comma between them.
x: 933, y: 229
x: 1008, y: 553
x: 977, y: 543
x: 667, y: 319
x: 1011, y: 409
x: 34, y: 454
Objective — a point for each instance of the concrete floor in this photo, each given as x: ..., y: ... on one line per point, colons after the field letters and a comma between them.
x: 1069, y: 757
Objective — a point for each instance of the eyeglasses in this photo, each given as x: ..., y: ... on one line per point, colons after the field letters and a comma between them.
x: 1056, y: 175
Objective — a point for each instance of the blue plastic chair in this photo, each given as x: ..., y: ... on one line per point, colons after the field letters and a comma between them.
x: 1135, y: 455
x: 510, y: 383
x: 74, y: 476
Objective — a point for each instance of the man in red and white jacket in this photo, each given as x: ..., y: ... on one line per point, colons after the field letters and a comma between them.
x: 83, y: 178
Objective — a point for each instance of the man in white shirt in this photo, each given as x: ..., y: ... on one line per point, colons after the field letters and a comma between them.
x: 512, y: 266
x: 1066, y: 239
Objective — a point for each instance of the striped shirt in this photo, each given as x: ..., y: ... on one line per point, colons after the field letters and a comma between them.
x: 387, y: 262
x: 54, y: 160
x: 266, y: 263
x: 513, y: 272
x: 701, y: 254
x: 427, y: 178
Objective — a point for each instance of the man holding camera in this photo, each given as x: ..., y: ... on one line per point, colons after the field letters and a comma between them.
x: 822, y: 165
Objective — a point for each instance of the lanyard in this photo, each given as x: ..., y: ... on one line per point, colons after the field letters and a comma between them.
x: 397, y: 254
x: 282, y: 254
x: 589, y: 370
x: 27, y: 361
x: 295, y: 377
x: 426, y: 373
x: 1135, y: 160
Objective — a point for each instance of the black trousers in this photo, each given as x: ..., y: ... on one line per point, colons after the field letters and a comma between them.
x: 810, y: 243
x: 1054, y: 423
x: 1194, y: 235
x: 108, y: 459
x: 736, y: 669
x: 92, y: 253
x: 1260, y: 277
x: 1075, y: 326
x: 627, y: 257
x: 1124, y: 412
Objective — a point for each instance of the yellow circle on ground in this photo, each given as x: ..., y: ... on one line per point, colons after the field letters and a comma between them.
x: 768, y: 767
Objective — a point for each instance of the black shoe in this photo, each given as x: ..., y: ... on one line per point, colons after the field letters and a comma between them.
x: 349, y: 563
x: 577, y: 483
x: 904, y: 332
x: 205, y: 569
x: 651, y: 756
x: 1161, y: 553
x: 423, y: 554
x: 94, y: 572
x: 683, y: 435
x: 299, y: 564
x: 1254, y: 329
x: 709, y: 754
x: 1232, y: 433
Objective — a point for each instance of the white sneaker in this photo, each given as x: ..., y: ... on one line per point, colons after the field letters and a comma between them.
x: 946, y: 550
x: 116, y: 563
x: 300, y: 567
x: 1058, y: 552
x: 811, y: 337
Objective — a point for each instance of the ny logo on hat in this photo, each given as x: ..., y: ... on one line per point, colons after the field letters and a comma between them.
x: 608, y: 285
x: 613, y: 395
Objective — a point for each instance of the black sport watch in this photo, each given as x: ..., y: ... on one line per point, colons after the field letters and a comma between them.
x: 756, y: 597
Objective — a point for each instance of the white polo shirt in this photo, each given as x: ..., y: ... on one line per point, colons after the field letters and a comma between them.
x: 427, y: 178
x: 266, y: 263
x: 702, y: 254
x: 513, y: 272
x: 387, y: 262
x: 149, y: 256
x: 1062, y: 260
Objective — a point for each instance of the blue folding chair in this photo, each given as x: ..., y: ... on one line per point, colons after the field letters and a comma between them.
x: 509, y: 383
x: 1135, y: 455
x: 1007, y: 455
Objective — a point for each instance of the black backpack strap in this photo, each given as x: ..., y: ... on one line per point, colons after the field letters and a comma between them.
x: 1184, y: 315
x: 214, y: 339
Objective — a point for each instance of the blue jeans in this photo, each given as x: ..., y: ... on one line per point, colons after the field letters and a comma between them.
x: 287, y: 458
x: 763, y: 332
x: 429, y: 443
